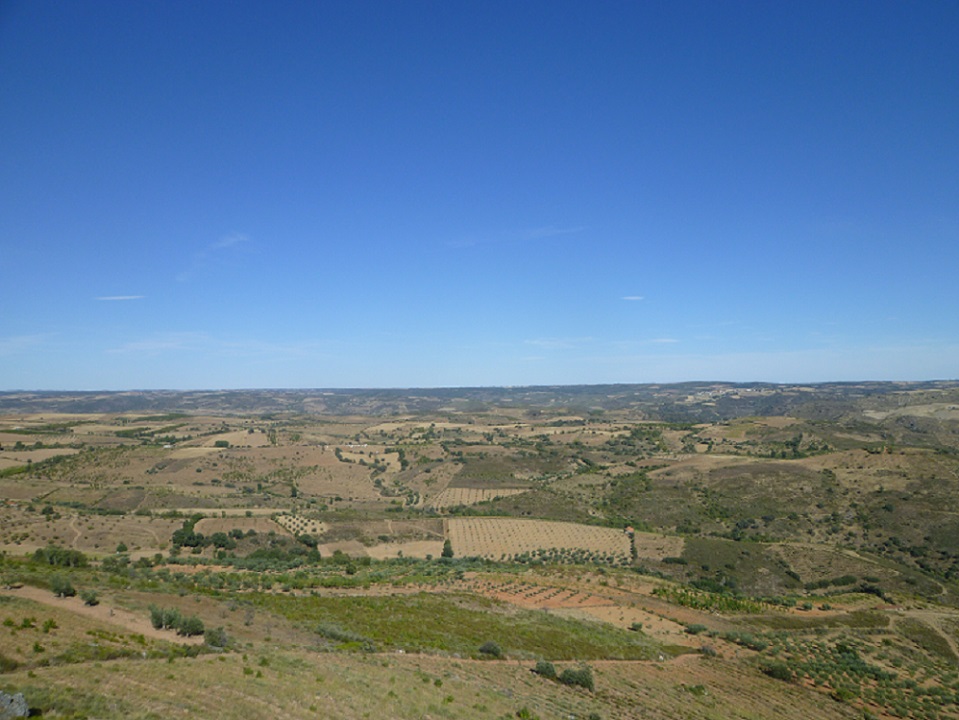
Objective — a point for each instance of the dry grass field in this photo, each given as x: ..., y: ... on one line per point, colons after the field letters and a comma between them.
x: 22, y: 530
x: 265, y: 525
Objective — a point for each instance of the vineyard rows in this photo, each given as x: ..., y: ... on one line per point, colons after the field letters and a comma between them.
x: 507, y: 538
x: 451, y: 497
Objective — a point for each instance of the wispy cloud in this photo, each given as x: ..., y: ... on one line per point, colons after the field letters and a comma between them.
x: 213, y: 253
x: 229, y: 241
x: 16, y: 344
x: 558, y: 343
x: 119, y: 298
x: 664, y: 341
x: 633, y: 298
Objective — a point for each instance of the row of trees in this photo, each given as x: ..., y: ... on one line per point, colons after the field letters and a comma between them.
x: 172, y: 619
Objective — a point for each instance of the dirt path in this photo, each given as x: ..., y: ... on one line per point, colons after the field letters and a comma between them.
x: 103, y: 613
x: 77, y: 533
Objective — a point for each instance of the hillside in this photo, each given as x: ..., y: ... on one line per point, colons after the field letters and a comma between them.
x: 700, y: 550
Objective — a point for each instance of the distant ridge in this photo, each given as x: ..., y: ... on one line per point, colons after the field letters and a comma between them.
x: 673, y: 402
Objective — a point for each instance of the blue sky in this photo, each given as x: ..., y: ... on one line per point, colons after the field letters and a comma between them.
x: 415, y: 194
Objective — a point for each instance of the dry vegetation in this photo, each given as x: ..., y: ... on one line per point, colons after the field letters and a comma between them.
x: 702, y: 557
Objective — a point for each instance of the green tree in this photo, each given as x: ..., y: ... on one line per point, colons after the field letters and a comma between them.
x: 62, y: 587
x: 447, y: 548
x: 190, y: 626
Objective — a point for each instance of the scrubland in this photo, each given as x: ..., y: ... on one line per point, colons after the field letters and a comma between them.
x: 708, y: 551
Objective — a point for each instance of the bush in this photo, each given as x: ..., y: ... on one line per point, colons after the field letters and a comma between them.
x: 216, y: 637
x: 190, y: 626
x: 90, y: 598
x: 582, y: 677
x: 778, y: 670
x: 62, y: 587
x: 165, y: 618
x: 492, y: 649
x: 546, y: 669
x: 332, y: 631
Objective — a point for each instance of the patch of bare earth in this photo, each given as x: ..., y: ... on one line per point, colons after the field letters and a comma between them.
x: 104, y: 612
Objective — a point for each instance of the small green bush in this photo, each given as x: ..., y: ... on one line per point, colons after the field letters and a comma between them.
x: 778, y: 670
x: 492, y: 649
x: 546, y: 669
x: 89, y: 597
x: 190, y: 626
x: 216, y: 637
x: 582, y: 677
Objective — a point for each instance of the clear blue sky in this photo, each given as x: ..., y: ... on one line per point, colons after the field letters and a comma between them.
x: 395, y: 194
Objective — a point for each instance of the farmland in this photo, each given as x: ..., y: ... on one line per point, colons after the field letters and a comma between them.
x: 507, y: 538
x: 680, y: 541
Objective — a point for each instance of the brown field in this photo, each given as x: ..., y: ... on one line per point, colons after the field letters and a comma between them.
x: 451, y: 497
x: 498, y: 537
x: 24, y: 531
x: 297, y: 525
x: 412, y: 548
x: 210, y: 525
x: 24, y: 457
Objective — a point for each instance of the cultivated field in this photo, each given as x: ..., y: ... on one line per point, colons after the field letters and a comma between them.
x: 451, y: 497
x: 499, y: 538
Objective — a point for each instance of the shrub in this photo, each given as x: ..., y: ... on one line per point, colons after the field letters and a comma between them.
x: 7, y: 664
x: 62, y: 587
x: 546, y: 669
x: 216, y: 637
x: 492, y: 649
x: 582, y: 677
x: 190, y: 626
x: 89, y: 597
x: 165, y: 618
x: 778, y: 670
x: 332, y: 631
